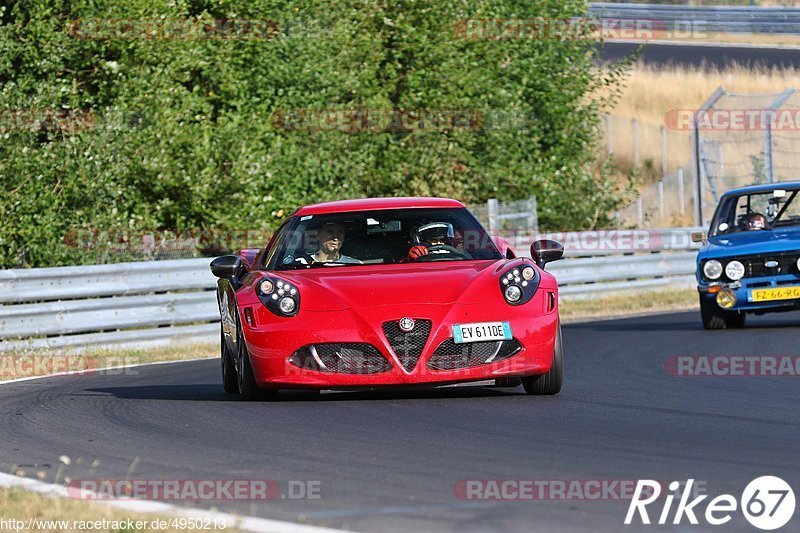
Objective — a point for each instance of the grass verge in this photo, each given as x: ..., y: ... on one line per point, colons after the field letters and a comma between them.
x: 30, y: 364
x: 628, y: 304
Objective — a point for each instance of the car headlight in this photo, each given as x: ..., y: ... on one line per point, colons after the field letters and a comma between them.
x: 266, y: 287
x: 726, y: 298
x: 798, y: 263
x: 287, y: 305
x: 519, y: 284
x: 712, y: 269
x: 513, y: 293
x: 734, y: 270
x: 279, y: 296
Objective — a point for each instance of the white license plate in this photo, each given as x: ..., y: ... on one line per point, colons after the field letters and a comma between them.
x: 481, y: 331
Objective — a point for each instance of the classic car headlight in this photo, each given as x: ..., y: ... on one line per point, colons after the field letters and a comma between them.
x: 712, y: 269
x: 279, y: 296
x: 519, y: 284
x: 798, y: 263
x: 734, y: 270
x: 726, y: 298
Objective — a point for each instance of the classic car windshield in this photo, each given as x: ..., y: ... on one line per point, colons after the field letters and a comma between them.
x: 757, y: 212
x: 379, y: 237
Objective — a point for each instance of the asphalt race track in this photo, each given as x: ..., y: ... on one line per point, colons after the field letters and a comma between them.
x: 388, y: 460
x: 697, y: 55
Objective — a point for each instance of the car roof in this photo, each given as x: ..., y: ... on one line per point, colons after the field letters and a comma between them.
x: 764, y: 187
x: 373, y: 204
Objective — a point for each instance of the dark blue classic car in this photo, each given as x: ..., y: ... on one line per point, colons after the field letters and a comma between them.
x: 750, y: 262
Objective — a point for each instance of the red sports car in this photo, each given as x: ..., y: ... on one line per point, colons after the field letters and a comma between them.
x: 387, y: 292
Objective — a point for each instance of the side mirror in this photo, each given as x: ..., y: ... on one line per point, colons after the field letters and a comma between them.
x: 698, y: 236
x: 545, y: 251
x: 227, y: 266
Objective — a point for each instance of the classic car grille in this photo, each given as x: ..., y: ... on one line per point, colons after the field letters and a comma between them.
x: 449, y: 355
x: 341, y: 358
x: 754, y: 265
x: 407, y: 346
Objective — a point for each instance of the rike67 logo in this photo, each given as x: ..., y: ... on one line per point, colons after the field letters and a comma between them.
x: 767, y: 502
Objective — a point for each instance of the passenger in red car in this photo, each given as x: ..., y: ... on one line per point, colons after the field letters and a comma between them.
x: 331, y: 238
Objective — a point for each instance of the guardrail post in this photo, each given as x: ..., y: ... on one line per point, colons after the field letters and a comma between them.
x: 681, y: 192
x: 493, y: 212
x: 661, y: 199
x: 639, y: 212
x: 533, y: 215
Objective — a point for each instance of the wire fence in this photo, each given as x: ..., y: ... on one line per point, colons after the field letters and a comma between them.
x: 685, y: 166
x: 743, y: 139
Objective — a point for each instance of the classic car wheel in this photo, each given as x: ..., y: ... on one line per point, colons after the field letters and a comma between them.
x: 549, y: 383
x: 229, y: 381
x: 248, y: 388
x: 716, y: 318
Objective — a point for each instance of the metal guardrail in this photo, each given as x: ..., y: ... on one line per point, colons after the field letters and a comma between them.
x: 158, y: 302
x: 733, y: 19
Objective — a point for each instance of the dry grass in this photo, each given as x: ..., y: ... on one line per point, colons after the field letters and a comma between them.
x: 787, y: 39
x: 22, y: 505
x: 625, y: 304
x: 650, y: 92
x: 29, y: 364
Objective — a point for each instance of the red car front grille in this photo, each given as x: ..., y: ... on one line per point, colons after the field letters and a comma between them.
x: 407, y: 346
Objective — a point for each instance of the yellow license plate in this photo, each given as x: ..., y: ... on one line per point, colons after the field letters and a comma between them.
x: 775, y: 293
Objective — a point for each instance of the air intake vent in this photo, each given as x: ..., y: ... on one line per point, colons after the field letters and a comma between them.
x: 450, y: 356
x: 407, y: 346
x: 341, y: 358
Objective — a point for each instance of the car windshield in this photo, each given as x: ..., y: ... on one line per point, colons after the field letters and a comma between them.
x: 381, y: 237
x: 757, y: 212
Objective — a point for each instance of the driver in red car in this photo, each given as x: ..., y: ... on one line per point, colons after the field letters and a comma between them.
x: 429, y: 238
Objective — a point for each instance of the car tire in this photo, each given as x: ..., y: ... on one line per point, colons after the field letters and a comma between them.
x: 549, y: 383
x: 248, y: 388
x: 716, y: 318
x: 229, y: 380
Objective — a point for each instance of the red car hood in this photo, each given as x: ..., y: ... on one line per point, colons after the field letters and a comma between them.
x: 333, y: 288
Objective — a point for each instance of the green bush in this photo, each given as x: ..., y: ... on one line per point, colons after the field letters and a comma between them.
x: 176, y: 134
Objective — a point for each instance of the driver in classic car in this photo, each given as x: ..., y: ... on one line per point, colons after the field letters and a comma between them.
x: 756, y: 221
